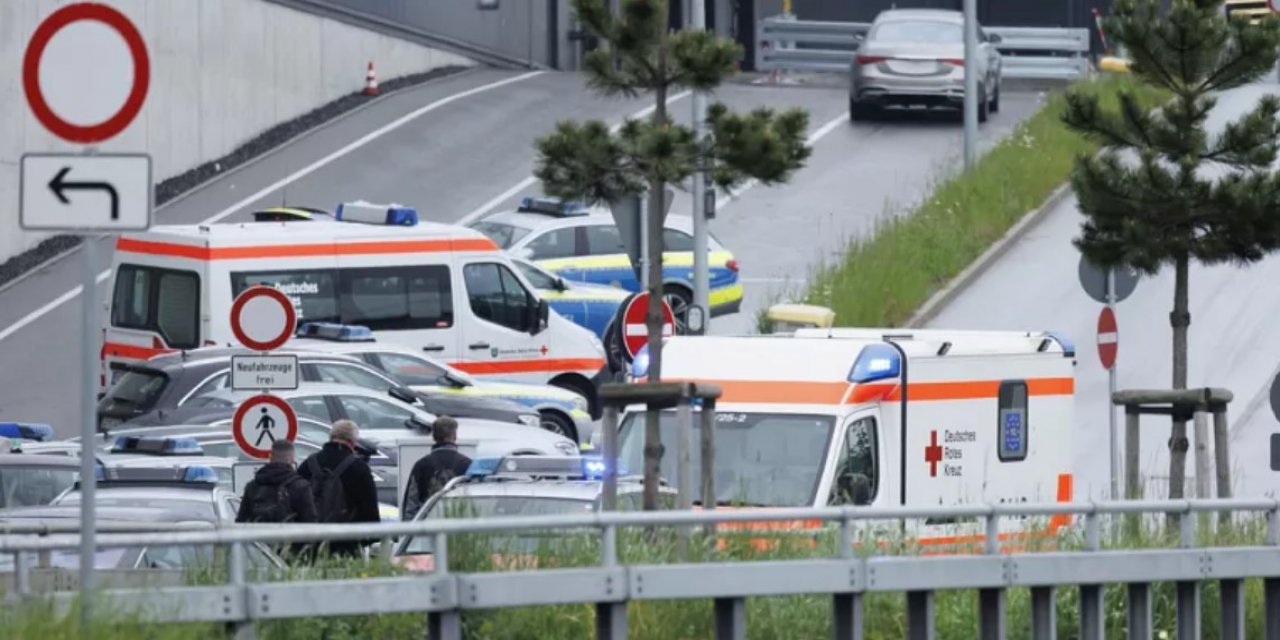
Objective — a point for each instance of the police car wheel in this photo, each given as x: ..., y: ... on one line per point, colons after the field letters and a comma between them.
x: 559, y: 424
x: 679, y: 299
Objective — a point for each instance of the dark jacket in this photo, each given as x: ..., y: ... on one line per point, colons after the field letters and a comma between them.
x: 302, y: 507
x: 357, y: 485
x: 430, y: 474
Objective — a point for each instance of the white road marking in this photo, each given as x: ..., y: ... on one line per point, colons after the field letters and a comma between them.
x: 531, y: 180
x: 285, y: 181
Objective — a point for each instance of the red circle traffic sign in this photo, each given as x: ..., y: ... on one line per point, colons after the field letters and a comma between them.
x: 1108, y: 338
x: 69, y: 131
x: 262, y: 318
x: 635, y: 333
x: 257, y: 422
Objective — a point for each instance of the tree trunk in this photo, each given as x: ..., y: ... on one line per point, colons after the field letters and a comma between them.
x: 1180, y: 319
x: 653, y: 320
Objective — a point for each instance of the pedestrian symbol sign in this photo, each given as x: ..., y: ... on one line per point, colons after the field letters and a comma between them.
x: 260, y: 421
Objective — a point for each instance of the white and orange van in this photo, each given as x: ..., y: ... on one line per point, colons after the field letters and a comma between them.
x: 444, y: 289
x: 878, y: 417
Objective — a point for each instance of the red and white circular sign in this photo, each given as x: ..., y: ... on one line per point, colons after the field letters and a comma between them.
x: 262, y: 318
x: 1108, y: 338
x: 86, y: 72
x: 260, y: 421
x: 635, y: 333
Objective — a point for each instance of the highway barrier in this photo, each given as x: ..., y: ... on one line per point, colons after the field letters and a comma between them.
x: 787, y: 44
x: 846, y: 578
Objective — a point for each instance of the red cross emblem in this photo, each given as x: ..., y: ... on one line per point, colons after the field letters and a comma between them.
x: 544, y: 349
x: 933, y: 454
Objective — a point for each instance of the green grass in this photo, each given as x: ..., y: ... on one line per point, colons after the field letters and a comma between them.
x: 768, y: 618
x: 885, y: 276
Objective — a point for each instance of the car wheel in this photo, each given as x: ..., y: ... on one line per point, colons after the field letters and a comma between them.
x: 679, y: 299
x: 982, y: 105
x: 859, y: 111
x: 559, y: 424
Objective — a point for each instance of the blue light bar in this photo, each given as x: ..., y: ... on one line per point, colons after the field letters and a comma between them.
x: 552, y: 206
x: 199, y: 473
x: 640, y: 365
x: 26, y: 431
x: 876, y: 362
x: 481, y: 467
x: 593, y: 467
x: 335, y: 332
x: 151, y: 445
x: 391, y: 215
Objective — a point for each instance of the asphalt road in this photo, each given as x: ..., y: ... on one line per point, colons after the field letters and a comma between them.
x: 462, y: 146
x: 1233, y: 342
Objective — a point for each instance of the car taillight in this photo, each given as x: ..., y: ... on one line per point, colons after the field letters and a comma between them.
x: 871, y: 59
x: 732, y: 265
x: 959, y: 62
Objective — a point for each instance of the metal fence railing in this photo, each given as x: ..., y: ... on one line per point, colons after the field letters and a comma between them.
x: 443, y: 594
x: 786, y: 44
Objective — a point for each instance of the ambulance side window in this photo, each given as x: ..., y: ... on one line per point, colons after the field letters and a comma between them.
x: 857, y: 476
x: 1012, y: 426
x: 496, y: 295
x: 313, y: 292
x: 163, y: 301
x: 419, y: 297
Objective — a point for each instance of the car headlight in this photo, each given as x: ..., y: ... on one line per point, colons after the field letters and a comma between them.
x: 530, y: 419
x: 567, y: 448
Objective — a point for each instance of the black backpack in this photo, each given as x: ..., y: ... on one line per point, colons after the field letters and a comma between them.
x: 331, y: 498
x: 271, y: 504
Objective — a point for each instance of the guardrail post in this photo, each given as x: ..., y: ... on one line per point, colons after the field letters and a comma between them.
x: 611, y: 617
x: 242, y: 629
x: 1232, y: 592
x: 21, y: 573
x: 1271, y: 586
x: 1092, y: 618
x: 1187, y: 592
x: 847, y: 607
x: 731, y: 619
x: 1138, y: 616
x: 920, y: 610
x: 1044, y: 613
x: 991, y: 602
x: 443, y: 625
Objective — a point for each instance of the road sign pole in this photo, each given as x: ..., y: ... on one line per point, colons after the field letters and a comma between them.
x: 970, y: 81
x: 1111, y: 408
x: 701, y: 270
x: 88, y: 424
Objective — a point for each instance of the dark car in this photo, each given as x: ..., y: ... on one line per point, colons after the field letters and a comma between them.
x: 167, y: 382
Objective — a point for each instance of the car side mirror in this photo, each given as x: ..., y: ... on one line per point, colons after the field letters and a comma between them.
x: 539, y: 313
x: 403, y: 395
x: 561, y: 285
x: 857, y: 487
x: 416, y: 424
x: 994, y: 39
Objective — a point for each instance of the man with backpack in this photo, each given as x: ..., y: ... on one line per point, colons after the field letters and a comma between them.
x: 436, y: 469
x: 277, y: 493
x: 342, y: 485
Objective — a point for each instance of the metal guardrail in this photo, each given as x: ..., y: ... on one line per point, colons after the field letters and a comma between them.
x: 784, y: 44
x: 443, y: 595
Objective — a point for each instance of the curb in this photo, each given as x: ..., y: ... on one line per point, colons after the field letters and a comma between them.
x: 933, y: 306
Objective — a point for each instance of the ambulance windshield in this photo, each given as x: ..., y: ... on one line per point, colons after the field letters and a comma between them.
x: 762, y: 459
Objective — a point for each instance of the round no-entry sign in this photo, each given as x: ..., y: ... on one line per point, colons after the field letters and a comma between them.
x: 262, y: 318
x: 1108, y: 338
x: 94, y: 78
x: 635, y: 333
x: 260, y: 421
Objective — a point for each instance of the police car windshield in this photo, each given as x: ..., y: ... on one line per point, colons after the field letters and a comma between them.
x: 762, y: 459
x: 503, y: 235
x: 29, y: 486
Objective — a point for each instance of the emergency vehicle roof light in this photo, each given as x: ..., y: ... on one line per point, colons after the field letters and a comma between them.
x: 156, y: 446
x: 1068, y: 347
x: 199, y: 473
x: 392, y: 215
x: 590, y: 467
x: 878, y: 361
x: 481, y: 467
x: 335, y: 332
x: 640, y: 365
x: 26, y: 431
x: 552, y: 207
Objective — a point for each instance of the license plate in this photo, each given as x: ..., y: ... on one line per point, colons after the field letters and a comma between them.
x: 913, y: 67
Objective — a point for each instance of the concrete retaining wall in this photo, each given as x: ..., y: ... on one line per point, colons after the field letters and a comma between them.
x: 223, y: 71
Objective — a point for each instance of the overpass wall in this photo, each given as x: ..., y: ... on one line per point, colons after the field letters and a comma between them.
x: 223, y: 71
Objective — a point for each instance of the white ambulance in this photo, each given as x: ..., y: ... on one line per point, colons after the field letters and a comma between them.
x: 444, y: 289
x: 878, y: 417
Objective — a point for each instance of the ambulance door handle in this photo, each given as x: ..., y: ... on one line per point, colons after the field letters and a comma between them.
x: 478, y: 345
x: 433, y: 347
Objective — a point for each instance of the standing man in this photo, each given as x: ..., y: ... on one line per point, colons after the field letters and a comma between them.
x: 342, y: 484
x: 436, y: 469
x: 277, y: 493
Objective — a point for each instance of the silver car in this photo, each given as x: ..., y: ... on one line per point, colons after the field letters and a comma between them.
x: 915, y: 57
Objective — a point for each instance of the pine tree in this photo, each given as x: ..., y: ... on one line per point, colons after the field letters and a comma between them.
x: 1165, y: 192
x: 585, y: 161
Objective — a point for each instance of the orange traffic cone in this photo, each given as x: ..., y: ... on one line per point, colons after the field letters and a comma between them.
x: 371, y: 81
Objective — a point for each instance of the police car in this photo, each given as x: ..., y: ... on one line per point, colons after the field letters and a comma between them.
x: 523, y: 486
x: 593, y: 306
x: 29, y: 480
x: 581, y: 244
x: 561, y: 411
